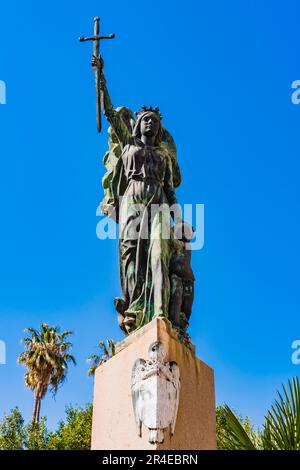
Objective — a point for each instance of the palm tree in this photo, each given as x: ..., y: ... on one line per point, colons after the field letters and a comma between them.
x: 46, y: 358
x: 105, y: 353
x: 281, y: 429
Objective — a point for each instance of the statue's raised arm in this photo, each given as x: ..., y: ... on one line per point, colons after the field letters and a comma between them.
x: 120, y: 124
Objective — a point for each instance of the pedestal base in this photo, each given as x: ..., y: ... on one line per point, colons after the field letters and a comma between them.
x: 114, y: 426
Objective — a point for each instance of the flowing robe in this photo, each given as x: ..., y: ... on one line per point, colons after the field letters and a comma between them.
x: 139, y: 188
x: 146, y: 192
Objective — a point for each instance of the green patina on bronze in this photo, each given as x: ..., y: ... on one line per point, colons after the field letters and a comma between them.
x: 142, y: 173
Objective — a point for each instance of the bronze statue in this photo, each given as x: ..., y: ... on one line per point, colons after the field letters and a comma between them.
x: 139, y: 191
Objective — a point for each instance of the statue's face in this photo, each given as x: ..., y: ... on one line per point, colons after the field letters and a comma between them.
x: 150, y: 125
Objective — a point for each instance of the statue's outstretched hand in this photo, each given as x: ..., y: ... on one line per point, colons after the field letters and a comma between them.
x: 97, y: 62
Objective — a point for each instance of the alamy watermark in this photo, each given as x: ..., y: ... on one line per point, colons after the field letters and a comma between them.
x: 295, y: 97
x: 296, y: 354
x: 2, y: 92
x: 2, y: 353
x: 139, y: 221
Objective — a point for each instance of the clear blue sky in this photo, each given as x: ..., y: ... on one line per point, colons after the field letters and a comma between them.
x: 221, y: 73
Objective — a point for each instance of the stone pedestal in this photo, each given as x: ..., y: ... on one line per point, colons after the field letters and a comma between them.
x: 114, y: 426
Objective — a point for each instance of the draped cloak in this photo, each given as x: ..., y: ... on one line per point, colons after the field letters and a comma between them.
x: 139, y: 186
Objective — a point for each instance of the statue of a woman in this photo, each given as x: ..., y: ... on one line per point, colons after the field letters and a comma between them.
x: 139, y: 189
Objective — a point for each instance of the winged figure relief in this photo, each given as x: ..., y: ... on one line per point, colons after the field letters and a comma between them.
x: 155, y: 393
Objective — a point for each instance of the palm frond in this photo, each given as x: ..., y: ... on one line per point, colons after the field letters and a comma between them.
x: 236, y: 437
x: 282, y: 422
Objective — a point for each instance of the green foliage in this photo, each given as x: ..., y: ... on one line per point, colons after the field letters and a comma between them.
x: 75, y: 432
x: 37, y: 435
x: 226, y: 425
x: 281, y: 429
x: 72, y: 434
x: 282, y: 422
x: 106, y: 352
x: 12, y: 432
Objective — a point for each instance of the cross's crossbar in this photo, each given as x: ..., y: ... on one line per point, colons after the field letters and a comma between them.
x: 96, y: 38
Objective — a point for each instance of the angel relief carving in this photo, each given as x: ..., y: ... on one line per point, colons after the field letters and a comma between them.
x: 155, y: 393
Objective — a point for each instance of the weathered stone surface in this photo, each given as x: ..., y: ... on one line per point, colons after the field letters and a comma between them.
x: 114, y: 425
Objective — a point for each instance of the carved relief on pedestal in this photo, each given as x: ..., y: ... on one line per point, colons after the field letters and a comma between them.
x: 155, y: 391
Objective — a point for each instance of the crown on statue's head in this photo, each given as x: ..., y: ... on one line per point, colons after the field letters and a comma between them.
x: 144, y: 109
